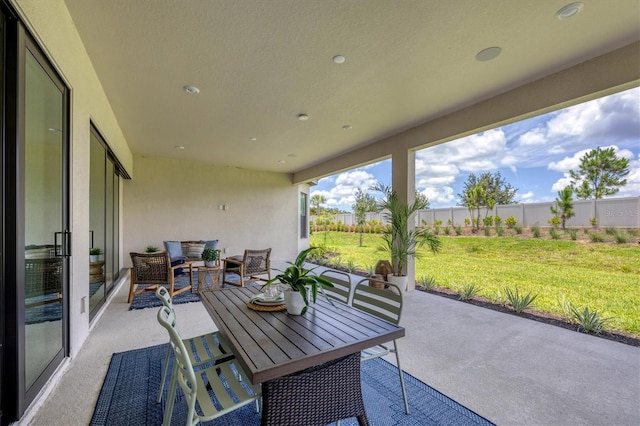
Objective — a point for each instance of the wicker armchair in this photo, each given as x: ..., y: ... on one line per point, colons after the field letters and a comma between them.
x: 43, y: 277
x: 247, y: 267
x: 154, y: 269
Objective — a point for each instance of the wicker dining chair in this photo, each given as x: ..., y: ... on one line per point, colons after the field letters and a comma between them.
x: 153, y: 270
x: 387, y: 305
x: 222, y: 380
x: 219, y: 349
x: 250, y: 267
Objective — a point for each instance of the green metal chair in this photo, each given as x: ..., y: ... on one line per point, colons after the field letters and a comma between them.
x: 341, y: 290
x: 218, y: 351
x: 387, y: 305
x: 221, y: 379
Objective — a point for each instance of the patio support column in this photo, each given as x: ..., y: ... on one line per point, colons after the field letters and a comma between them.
x: 403, y: 181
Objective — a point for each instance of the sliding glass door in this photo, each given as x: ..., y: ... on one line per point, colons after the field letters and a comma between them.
x: 35, y: 249
x: 46, y: 223
x: 104, y: 221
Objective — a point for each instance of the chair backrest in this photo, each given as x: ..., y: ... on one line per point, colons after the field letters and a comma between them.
x: 256, y: 261
x: 341, y: 290
x: 150, y: 268
x: 163, y: 294
x: 186, y: 376
x: 383, y: 303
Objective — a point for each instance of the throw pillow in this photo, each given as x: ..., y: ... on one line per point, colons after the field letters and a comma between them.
x: 174, y: 249
x: 212, y: 244
x: 194, y: 250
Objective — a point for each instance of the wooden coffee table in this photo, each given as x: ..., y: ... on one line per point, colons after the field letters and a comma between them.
x: 203, y: 273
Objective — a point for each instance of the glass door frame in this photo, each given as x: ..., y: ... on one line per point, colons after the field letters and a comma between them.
x: 27, y: 45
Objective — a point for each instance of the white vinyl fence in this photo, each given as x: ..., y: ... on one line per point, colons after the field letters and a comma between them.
x: 616, y: 212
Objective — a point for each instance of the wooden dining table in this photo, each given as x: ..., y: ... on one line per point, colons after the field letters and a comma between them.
x: 305, y: 362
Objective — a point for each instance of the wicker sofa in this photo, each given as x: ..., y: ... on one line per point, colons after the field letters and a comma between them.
x: 189, y: 251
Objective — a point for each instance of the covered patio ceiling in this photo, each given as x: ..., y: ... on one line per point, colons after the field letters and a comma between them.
x: 259, y: 65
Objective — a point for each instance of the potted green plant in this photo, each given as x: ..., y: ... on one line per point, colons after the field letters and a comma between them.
x: 209, y: 256
x: 299, y: 281
x: 151, y: 249
x: 94, y: 252
x: 399, y: 242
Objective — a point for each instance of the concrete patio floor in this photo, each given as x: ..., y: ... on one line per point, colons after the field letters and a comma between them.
x: 511, y: 370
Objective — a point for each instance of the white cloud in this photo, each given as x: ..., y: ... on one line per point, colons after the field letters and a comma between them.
x: 341, y: 195
x: 568, y: 163
x: 535, y: 136
x: 561, y: 183
x: 556, y: 149
x: 439, y: 195
x: 526, y: 197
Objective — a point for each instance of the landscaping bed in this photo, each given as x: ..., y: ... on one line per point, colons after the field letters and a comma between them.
x: 533, y: 314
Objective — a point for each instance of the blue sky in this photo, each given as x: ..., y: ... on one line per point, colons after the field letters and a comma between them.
x: 533, y: 155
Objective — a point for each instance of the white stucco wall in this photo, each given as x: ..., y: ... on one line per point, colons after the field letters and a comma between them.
x: 52, y: 27
x: 173, y: 199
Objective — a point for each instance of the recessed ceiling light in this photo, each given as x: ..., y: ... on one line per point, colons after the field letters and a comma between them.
x: 193, y: 90
x: 339, y: 59
x: 569, y: 11
x: 253, y: 139
x: 347, y: 127
x: 178, y: 147
x: 281, y: 161
x: 303, y: 117
x: 488, y: 54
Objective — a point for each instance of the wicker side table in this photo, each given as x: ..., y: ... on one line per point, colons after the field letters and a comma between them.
x: 203, y: 273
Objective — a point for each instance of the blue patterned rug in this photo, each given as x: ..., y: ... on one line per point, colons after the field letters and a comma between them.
x: 148, y: 299
x: 130, y: 388
x: 34, y: 313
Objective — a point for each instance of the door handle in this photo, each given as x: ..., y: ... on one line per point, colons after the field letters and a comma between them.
x: 64, y: 248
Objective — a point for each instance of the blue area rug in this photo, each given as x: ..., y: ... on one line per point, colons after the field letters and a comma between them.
x: 50, y: 311
x: 130, y: 387
x: 148, y: 299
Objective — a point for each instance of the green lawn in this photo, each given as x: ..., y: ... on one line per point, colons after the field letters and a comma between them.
x: 604, y: 277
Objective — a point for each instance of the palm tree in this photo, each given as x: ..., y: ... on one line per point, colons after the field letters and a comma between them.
x: 400, y: 242
x: 318, y: 200
x: 564, y: 205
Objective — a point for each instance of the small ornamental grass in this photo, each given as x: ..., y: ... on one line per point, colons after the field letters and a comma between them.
x: 350, y: 265
x: 621, y: 237
x: 589, y: 321
x: 519, y: 302
x: 468, y: 292
x: 596, y: 238
x: 535, y: 229
x: 427, y: 283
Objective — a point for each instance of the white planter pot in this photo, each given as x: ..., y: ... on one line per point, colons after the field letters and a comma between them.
x: 93, y: 257
x: 294, y: 301
x: 209, y: 263
x: 401, y: 281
